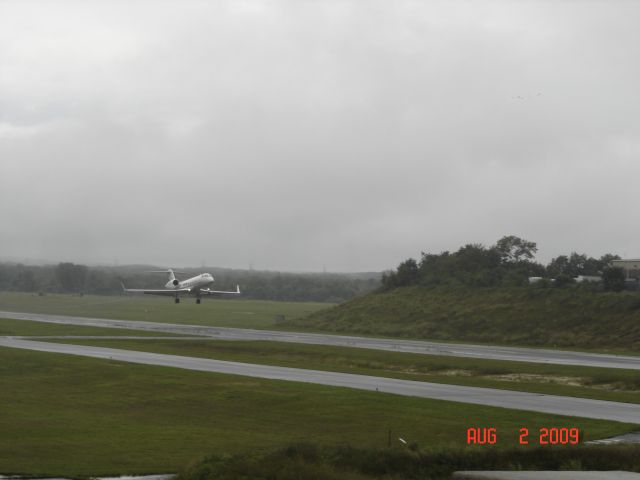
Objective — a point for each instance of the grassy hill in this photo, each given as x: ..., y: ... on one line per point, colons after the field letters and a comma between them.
x: 551, y: 317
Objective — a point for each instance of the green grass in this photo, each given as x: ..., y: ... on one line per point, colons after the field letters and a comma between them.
x: 598, y: 383
x: 571, y: 318
x: 28, y: 328
x: 67, y: 415
x: 212, y: 311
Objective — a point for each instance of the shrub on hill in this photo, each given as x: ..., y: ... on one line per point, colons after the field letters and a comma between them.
x: 350, y: 463
x: 613, y: 279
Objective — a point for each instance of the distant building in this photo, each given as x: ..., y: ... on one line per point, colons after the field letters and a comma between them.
x: 588, y: 278
x: 631, y: 267
x: 578, y: 279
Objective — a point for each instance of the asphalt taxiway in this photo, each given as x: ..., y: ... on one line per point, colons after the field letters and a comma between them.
x: 577, y: 407
x: 534, y: 355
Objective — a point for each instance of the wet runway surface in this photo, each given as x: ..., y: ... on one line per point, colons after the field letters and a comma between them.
x: 558, y: 357
x: 579, y: 407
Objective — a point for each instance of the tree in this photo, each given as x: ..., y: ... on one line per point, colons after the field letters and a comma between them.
x: 514, y: 249
x: 71, y: 277
x: 407, y: 273
x: 25, y: 280
x: 613, y: 279
x: 435, y: 269
x: 388, y: 280
x: 474, y: 257
x: 605, y: 261
x: 558, y: 266
x: 577, y: 264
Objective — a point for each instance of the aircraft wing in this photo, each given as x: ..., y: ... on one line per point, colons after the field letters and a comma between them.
x: 164, y: 291
x: 217, y: 292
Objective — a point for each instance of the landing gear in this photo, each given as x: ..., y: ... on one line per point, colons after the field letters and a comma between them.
x: 198, y: 301
x: 177, y: 300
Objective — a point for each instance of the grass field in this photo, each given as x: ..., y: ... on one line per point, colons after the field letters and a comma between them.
x: 215, y: 311
x: 65, y: 415
x: 588, y: 382
x: 26, y: 328
x: 569, y: 318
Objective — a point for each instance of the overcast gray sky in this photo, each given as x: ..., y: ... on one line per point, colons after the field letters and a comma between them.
x: 295, y: 134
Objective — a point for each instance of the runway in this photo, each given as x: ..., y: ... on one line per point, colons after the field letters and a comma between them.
x: 578, y: 407
x: 558, y: 357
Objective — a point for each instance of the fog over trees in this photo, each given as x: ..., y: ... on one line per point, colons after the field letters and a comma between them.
x: 80, y: 279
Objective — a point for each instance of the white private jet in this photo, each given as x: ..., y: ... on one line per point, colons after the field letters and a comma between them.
x: 196, y: 286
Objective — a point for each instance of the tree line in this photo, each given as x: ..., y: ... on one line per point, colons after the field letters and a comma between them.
x: 81, y: 279
x: 510, y: 262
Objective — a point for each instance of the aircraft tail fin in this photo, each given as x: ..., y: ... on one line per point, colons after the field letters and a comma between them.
x: 172, y: 281
x: 169, y: 271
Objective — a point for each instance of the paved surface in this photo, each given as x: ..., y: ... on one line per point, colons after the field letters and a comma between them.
x: 546, y: 475
x: 633, y: 437
x: 579, y: 407
x: 558, y: 357
x: 98, y: 337
x: 164, y: 476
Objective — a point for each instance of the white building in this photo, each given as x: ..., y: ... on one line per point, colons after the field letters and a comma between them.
x: 588, y: 278
x: 631, y: 267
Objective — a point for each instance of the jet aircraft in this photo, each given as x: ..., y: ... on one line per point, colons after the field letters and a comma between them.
x: 196, y: 286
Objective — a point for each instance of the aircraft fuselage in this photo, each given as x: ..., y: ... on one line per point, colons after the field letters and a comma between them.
x: 194, y: 283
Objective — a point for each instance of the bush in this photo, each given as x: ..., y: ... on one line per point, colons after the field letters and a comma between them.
x: 346, y: 462
x: 613, y: 279
x: 563, y: 280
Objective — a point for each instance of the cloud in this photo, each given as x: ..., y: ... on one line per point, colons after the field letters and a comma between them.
x: 296, y: 134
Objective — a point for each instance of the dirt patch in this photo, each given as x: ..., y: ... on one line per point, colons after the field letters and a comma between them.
x: 447, y: 373
x: 558, y: 380
x: 533, y: 377
x: 456, y: 373
x: 614, y: 387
